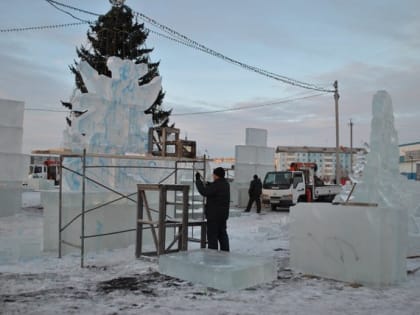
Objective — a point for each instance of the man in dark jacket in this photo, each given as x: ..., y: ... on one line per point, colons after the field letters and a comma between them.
x: 254, y: 192
x: 216, y: 210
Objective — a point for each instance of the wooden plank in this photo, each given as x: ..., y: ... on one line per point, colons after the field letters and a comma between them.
x: 162, y: 218
x: 149, y: 216
x: 148, y: 187
x: 184, y: 227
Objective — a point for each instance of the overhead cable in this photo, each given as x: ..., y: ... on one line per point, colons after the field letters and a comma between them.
x: 289, y: 100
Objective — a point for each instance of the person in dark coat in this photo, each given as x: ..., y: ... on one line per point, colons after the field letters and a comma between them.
x: 216, y: 209
x: 254, y: 192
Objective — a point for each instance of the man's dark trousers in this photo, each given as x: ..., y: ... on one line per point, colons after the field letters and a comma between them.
x: 251, y: 201
x: 216, y: 233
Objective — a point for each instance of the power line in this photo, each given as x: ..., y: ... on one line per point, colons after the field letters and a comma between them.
x: 180, y: 38
x: 66, y: 12
x: 289, y: 100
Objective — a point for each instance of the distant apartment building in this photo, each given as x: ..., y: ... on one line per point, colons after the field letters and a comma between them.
x: 410, y: 160
x: 324, y: 158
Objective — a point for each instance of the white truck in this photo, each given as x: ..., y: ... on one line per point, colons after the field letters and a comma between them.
x: 299, y: 184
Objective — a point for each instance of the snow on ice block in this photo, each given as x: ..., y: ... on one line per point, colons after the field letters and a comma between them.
x: 220, y: 270
x: 256, y: 136
x: 366, y: 245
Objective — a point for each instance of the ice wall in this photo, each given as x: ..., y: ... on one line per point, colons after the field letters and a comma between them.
x: 252, y: 158
x: 12, y: 161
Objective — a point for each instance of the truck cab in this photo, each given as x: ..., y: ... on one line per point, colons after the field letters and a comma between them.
x: 283, y: 189
x: 286, y: 188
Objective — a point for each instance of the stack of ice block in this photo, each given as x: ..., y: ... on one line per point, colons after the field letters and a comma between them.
x: 219, y: 270
x: 252, y: 158
x: 12, y: 161
x: 361, y: 244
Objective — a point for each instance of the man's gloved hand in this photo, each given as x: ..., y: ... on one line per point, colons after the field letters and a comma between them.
x: 197, y: 176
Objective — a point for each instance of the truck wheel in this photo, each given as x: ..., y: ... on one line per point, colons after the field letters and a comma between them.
x: 273, y: 207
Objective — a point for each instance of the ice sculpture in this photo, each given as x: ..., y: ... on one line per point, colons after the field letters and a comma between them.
x: 112, y: 121
x: 365, y: 244
x: 381, y: 181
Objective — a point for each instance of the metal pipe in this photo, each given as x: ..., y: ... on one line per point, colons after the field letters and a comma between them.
x: 82, y: 238
x: 60, y: 206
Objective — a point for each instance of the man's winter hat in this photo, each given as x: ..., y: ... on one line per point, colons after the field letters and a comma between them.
x: 219, y: 172
x: 255, y: 176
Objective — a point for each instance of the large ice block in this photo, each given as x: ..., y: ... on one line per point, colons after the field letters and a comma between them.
x: 11, y: 139
x: 219, y: 270
x: 265, y: 156
x: 255, y: 136
x: 11, y: 113
x: 10, y: 197
x: 12, y: 167
x: 244, y: 172
x: 245, y: 154
x: 366, y: 245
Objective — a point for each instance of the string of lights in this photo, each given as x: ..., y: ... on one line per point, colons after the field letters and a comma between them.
x: 182, y: 39
x: 36, y: 28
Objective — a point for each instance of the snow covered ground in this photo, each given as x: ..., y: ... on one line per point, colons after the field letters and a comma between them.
x: 116, y: 283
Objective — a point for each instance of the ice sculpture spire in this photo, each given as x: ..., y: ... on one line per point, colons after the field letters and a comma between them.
x: 381, y: 173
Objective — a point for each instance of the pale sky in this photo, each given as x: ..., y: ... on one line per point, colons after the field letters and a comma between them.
x: 366, y: 45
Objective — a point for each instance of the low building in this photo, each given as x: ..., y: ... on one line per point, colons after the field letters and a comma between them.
x: 324, y: 157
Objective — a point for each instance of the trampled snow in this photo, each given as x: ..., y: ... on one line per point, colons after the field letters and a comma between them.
x: 116, y: 283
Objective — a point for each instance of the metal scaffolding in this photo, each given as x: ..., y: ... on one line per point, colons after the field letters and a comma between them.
x: 197, y: 164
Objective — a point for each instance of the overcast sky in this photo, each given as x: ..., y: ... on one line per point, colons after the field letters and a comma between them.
x: 365, y: 45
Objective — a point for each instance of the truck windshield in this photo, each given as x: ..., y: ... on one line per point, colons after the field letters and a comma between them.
x: 277, y: 179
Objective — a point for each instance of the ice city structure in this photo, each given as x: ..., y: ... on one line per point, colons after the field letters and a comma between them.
x: 12, y: 161
x: 252, y: 158
x: 112, y: 122
x: 366, y: 240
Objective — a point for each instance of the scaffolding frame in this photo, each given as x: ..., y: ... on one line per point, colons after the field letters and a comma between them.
x: 83, y: 156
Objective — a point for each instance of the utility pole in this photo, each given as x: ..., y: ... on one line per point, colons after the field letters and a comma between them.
x: 337, y: 139
x: 351, y: 146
